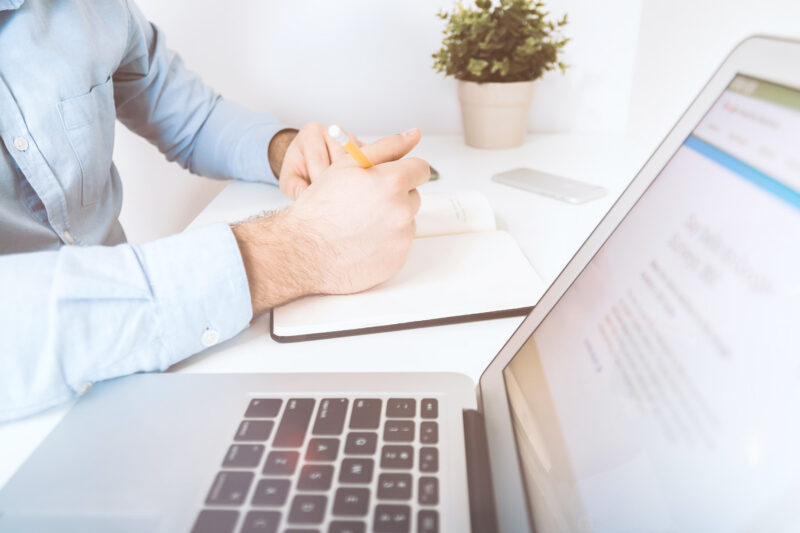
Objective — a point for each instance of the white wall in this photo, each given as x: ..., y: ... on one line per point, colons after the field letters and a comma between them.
x: 365, y: 64
x: 681, y: 44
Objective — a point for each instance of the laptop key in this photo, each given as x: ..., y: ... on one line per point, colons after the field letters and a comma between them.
x: 428, y: 492
x: 307, y: 509
x: 254, y: 430
x: 271, y: 492
x: 300, y: 530
x: 398, y: 431
x: 428, y: 522
x: 322, y: 450
x: 243, y: 456
x: 361, y: 443
x: 261, y: 522
x: 401, y: 408
x: 281, y: 463
x: 215, y: 521
x: 356, y: 471
x: 397, y: 457
x: 330, y: 417
x: 315, y: 477
x: 394, y: 486
x: 429, y: 408
x: 392, y: 519
x: 351, y: 502
x: 366, y: 414
x: 429, y: 433
x: 263, y: 408
x: 230, y: 488
x: 428, y: 459
x: 347, y: 527
x: 291, y: 431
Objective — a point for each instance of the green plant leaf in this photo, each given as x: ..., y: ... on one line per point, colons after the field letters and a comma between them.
x: 476, y: 66
x: 516, y: 37
x: 501, y: 67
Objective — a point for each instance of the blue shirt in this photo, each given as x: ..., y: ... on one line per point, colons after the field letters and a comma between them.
x: 77, y: 304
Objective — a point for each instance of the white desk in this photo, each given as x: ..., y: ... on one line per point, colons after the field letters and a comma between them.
x: 548, y: 231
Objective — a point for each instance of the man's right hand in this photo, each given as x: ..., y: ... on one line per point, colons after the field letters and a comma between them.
x: 350, y: 230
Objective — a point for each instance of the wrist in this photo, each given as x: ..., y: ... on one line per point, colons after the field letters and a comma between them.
x: 276, y: 150
x: 279, y: 260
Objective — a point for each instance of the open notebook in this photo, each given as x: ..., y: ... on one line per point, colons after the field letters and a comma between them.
x: 459, y: 269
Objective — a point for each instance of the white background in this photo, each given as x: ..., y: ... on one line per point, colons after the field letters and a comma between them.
x: 636, y: 64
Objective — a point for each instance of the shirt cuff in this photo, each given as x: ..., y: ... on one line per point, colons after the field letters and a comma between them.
x: 233, y: 143
x: 200, y: 289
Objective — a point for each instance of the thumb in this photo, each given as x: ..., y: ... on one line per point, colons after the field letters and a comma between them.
x: 299, y: 188
x: 292, y: 184
x: 391, y: 148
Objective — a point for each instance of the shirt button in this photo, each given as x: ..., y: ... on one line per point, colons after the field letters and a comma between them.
x: 84, y: 388
x: 210, y: 337
x: 21, y: 144
x: 68, y: 237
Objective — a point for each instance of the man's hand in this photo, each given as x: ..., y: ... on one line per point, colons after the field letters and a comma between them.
x: 308, y: 155
x: 349, y: 231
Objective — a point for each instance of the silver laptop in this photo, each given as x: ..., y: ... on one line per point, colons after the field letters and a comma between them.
x: 656, y: 386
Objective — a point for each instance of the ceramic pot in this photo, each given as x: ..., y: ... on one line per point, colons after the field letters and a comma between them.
x: 495, y: 115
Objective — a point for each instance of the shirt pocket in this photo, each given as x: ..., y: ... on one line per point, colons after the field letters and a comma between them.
x: 89, y: 124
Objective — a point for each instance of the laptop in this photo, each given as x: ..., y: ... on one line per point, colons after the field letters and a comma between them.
x: 655, y: 387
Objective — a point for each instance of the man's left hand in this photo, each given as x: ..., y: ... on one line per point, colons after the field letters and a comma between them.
x: 309, y: 153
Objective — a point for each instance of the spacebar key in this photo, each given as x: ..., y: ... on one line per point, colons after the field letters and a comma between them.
x: 292, y: 429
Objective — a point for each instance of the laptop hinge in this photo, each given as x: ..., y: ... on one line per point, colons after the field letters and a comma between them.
x: 483, y: 514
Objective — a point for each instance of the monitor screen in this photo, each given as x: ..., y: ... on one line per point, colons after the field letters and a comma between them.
x: 662, y: 391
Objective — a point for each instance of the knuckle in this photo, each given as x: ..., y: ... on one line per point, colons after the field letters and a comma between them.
x: 417, y: 164
x: 414, y: 207
x: 396, y: 184
x: 422, y: 167
x: 403, y: 217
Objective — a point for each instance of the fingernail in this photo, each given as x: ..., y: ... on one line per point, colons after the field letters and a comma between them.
x: 410, y: 133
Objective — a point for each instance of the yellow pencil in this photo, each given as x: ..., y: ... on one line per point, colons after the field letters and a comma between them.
x: 349, y: 146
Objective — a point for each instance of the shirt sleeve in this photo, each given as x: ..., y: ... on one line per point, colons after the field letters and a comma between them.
x: 159, y: 99
x: 83, y: 314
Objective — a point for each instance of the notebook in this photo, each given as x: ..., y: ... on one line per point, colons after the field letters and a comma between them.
x: 460, y: 268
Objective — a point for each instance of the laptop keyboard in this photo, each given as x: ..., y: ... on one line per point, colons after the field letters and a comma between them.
x: 333, y: 465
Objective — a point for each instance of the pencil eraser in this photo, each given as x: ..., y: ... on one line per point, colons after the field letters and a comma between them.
x: 337, y: 134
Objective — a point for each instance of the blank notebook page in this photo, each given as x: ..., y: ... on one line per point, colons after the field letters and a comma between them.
x: 450, y: 276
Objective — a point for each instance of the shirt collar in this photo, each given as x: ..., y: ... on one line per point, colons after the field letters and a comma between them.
x: 8, y: 5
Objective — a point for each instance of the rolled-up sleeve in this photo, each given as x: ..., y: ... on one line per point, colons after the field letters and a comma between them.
x: 104, y: 312
x: 159, y: 99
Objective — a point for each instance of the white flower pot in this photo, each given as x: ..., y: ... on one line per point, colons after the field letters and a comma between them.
x: 495, y: 115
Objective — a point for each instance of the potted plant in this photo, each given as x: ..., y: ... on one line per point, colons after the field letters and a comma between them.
x: 496, y: 50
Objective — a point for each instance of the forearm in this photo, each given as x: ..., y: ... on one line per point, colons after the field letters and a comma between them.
x: 157, y: 97
x: 235, y: 143
x: 281, y: 259
x: 84, y: 314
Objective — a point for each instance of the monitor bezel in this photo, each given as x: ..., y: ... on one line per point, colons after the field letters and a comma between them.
x: 765, y: 58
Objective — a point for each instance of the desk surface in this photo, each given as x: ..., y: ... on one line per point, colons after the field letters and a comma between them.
x: 548, y: 231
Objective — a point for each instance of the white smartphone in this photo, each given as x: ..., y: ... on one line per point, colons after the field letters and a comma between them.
x: 558, y: 187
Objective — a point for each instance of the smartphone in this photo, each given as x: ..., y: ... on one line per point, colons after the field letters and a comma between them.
x: 558, y: 187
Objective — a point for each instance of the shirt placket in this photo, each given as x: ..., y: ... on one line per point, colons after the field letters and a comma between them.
x: 23, y: 149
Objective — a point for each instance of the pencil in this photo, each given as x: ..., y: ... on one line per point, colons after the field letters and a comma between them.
x: 349, y: 146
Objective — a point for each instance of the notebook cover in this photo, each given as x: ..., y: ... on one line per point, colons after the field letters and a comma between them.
x: 522, y: 311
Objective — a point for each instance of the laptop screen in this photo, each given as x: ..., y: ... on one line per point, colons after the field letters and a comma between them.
x: 662, y: 392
